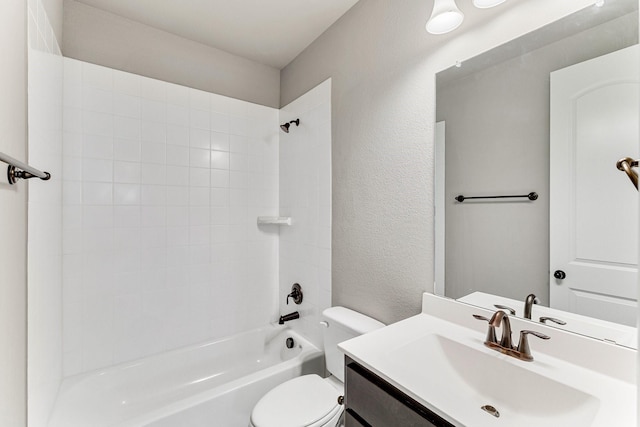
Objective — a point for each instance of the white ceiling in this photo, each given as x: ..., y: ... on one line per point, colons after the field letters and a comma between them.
x: 271, y: 32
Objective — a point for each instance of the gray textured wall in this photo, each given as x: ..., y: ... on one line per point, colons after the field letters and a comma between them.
x: 383, y: 63
x: 103, y: 38
x: 13, y: 215
x: 497, y: 142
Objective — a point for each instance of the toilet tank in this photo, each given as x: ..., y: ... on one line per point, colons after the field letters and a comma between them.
x: 343, y: 324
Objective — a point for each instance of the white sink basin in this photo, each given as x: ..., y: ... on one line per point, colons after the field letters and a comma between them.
x: 474, y: 379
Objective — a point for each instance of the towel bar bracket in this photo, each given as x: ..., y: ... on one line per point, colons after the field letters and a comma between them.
x: 13, y: 175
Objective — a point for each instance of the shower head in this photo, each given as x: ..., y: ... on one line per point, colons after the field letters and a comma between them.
x: 285, y: 127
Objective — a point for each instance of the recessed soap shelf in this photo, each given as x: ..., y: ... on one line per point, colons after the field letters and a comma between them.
x: 274, y: 220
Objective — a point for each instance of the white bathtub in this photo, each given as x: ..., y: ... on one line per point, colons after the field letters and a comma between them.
x: 214, y: 384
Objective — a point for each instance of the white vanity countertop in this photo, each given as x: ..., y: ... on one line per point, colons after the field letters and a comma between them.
x: 602, y: 375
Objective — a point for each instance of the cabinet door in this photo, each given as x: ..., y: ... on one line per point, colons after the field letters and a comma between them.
x: 352, y: 421
x: 371, y: 401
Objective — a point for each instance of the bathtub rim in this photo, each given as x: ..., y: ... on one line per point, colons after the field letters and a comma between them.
x: 309, y: 353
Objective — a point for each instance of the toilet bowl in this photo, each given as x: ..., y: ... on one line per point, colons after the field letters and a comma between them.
x: 310, y: 400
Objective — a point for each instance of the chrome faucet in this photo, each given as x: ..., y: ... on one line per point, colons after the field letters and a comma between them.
x: 505, y: 346
x: 528, y: 304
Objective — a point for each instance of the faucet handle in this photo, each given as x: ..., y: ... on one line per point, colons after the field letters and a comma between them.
x: 544, y: 319
x: 505, y: 307
x: 523, y: 344
x: 491, y: 331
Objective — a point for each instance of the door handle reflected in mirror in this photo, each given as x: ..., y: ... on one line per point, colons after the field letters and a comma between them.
x: 559, y: 274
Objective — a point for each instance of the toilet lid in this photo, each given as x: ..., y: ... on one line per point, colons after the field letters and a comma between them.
x: 301, y: 402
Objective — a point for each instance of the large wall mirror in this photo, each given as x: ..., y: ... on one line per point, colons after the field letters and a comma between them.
x: 548, y: 113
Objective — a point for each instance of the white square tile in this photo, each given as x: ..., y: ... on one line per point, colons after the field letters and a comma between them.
x: 177, y: 236
x: 153, y: 132
x: 72, y: 241
x: 126, y: 105
x: 220, y: 234
x: 126, y: 127
x: 126, y: 216
x: 238, y: 179
x: 94, y: 99
x: 219, y: 141
x: 238, y: 197
x: 178, y: 135
x: 126, y: 261
x: 178, y: 196
x: 126, y: 149
x: 255, y: 165
x: 72, y: 94
x: 126, y: 238
x: 199, y: 119
x: 198, y: 196
x: 219, y: 178
x: 238, y: 162
x: 126, y: 194
x: 177, y: 216
x: 219, y: 216
x: 72, y: 144
x: 199, y: 158
x: 72, y: 169
x: 126, y: 172
x: 177, y: 175
x: 177, y: 115
x: 153, y: 195
x: 97, y: 193
x: 239, y: 126
x: 154, y: 242
x: 97, y: 170
x: 238, y: 144
x: 98, y: 147
x: 199, y: 177
x: 238, y: 215
x: 153, y: 111
x: 153, y: 174
x: 219, y: 160
x: 72, y: 120
x: 97, y: 216
x: 177, y: 155
x: 199, y: 216
x: 72, y: 216
x: 153, y: 216
x: 199, y: 235
x: 199, y: 138
x: 96, y: 124
x: 219, y: 197
x: 153, y: 153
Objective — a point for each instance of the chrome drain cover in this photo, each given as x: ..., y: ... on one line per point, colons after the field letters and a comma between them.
x: 491, y: 410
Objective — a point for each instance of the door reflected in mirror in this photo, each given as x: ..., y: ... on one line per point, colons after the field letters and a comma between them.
x: 551, y: 112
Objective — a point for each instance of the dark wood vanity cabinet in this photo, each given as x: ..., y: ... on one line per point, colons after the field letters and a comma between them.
x: 370, y: 401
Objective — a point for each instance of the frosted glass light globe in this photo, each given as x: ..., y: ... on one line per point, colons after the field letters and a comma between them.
x: 445, y: 17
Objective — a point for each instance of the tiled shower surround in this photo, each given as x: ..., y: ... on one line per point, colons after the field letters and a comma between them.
x: 162, y: 188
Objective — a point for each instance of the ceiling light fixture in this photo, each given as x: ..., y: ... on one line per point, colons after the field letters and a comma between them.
x: 445, y: 17
x: 485, y: 4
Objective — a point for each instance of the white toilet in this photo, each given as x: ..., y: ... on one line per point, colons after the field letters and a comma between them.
x: 310, y: 400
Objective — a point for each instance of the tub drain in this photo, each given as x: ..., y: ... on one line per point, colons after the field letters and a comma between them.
x: 491, y: 410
